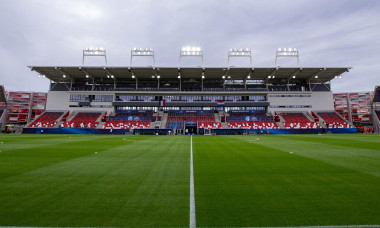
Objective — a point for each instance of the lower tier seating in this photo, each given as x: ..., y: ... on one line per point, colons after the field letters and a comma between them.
x: 210, y: 125
x: 83, y: 120
x: 301, y: 125
x: 124, y: 124
x: 298, y: 120
x: 334, y: 120
x: 252, y: 125
x: 48, y: 119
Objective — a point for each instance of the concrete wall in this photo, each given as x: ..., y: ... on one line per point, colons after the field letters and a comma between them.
x: 322, y: 101
x: 60, y: 101
x: 317, y: 101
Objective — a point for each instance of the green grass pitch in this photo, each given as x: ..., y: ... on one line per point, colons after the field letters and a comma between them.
x: 144, y: 181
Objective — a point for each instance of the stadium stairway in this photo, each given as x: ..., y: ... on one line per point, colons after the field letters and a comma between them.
x: 59, y: 120
x: 99, y: 120
x: 280, y: 125
x: 153, y: 124
x: 281, y: 118
x: 100, y: 125
x: 309, y: 116
x: 321, y: 120
x: 217, y: 117
x: 71, y: 116
x: 344, y: 119
x: 221, y: 115
x: 164, y: 120
x: 224, y: 125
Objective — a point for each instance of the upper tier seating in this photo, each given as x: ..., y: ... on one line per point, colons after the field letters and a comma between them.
x: 123, y: 124
x: 250, y: 120
x: 205, y: 119
x: 48, y: 119
x: 136, y: 115
x: 333, y: 120
x: 181, y: 116
x: 298, y: 121
x: 83, y: 120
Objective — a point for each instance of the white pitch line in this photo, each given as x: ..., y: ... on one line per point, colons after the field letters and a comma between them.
x: 192, y: 199
x: 338, y: 226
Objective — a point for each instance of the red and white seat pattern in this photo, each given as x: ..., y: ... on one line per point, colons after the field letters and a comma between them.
x: 252, y: 124
x: 298, y: 121
x: 48, y: 119
x: 83, y: 120
x: 210, y: 125
x: 333, y: 120
x: 123, y: 124
x: 301, y: 125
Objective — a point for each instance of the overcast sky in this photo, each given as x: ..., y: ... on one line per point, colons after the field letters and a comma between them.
x: 338, y: 33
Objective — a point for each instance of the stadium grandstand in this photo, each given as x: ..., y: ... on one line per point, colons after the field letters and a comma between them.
x: 375, y: 107
x: 184, y: 100
x: 3, y: 105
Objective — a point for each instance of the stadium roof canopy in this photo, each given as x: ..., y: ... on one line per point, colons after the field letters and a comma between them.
x: 66, y: 73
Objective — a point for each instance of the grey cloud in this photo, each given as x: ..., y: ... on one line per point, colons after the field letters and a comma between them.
x: 327, y: 33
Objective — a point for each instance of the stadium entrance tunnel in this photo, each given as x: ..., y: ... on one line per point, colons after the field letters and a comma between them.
x: 191, y: 128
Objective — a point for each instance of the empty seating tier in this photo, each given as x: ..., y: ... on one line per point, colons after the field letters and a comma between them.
x: 250, y: 120
x: 83, y: 120
x: 133, y: 115
x: 182, y: 116
x: 122, y: 124
x: 297, y: 120
x: 48, y: 119
x: 334, y: 120
x: 210, y: 125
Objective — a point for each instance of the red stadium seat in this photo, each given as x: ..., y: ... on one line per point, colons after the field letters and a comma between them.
x: 48, y: 119
x: 334, y: 120
x: 83, y: 120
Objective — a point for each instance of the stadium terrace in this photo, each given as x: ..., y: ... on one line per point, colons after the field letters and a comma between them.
x: 189, y: 100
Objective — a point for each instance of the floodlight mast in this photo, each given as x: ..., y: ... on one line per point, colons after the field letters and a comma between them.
x: 290, y: 52
x: 236, y: 52
x: 142, y: 52
x: 94, y: 52
x: 190, y: 52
